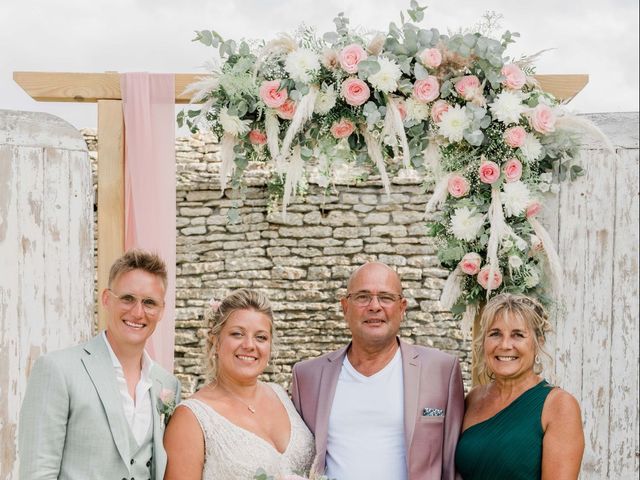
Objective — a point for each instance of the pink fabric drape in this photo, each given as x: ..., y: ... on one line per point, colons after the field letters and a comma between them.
x: 150, y: 186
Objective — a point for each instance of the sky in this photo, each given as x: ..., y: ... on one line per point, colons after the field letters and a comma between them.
x: 596, y: 37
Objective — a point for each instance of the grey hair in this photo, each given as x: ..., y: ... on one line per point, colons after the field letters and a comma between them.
x: 241, y: 299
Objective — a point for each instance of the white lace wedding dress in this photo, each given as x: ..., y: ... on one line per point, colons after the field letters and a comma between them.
x: 233, y: 453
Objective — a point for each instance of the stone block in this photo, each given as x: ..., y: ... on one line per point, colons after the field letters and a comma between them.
x: 389, y: 230
x: 305, y: 232
x: 288, y: 273
x: 376, y: 219
x: 238, y: 263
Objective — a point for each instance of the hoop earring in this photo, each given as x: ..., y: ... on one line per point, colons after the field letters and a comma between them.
x: 537, y: 360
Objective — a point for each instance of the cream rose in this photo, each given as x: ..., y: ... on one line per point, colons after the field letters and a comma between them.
x: 431, y: 57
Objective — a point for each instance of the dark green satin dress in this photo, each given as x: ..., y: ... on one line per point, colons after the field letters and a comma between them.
x: 507, y: 446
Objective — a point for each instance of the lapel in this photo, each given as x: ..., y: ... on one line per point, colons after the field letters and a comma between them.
x: 159, y: 456
x: 411, y: 366
x: 98, y: 364
x: 327, y: 390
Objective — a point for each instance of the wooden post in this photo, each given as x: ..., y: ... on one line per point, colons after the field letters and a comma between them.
x: 110, y: 192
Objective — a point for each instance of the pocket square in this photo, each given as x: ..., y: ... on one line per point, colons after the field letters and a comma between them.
x: 432, y: 412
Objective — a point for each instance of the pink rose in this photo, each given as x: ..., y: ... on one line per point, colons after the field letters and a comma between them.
x: 355, y: 91
x: 514, y: 78
x: 483, y: 278
x: 343, y: 128
x: 533, y: 209
x: 350, y: 56
x: 437, y: 109
x: 426, y: 90
x: 512, y: 170
x: 458, y: 186
x: 271, y: 95
x: 489, y: 171
x: 431, y: 57
x: 256, y: 137
x: 287, y: 109
x: 468, y: 87
x: 470, y: 263
x: 542, y: 119
x: 515, y: 136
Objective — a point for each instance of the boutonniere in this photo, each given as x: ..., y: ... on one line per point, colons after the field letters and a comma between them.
x: 166, y: 404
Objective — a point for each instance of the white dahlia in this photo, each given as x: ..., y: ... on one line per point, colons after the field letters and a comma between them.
x: 233, y: 124
x: 508, y: 107
x: 325, y: 100
x: 301, y: 64
x: 515, y: 198
x: 417, y: 110
x: 465, y: 223
x: 531, y: 148
x: 453, y: 123
x: 386, y: 79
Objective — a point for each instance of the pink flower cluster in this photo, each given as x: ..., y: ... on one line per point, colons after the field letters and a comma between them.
x: 470, y: 264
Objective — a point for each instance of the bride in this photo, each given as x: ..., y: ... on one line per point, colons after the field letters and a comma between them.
x: 236, y: 424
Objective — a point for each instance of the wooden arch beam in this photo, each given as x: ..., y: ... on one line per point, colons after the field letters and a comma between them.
x: 104, y: 89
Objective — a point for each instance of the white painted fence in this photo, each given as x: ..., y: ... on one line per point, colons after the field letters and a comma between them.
x: 46, y: 254
x: 595, y: 221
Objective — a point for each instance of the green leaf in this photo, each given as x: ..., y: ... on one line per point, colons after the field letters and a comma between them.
x: 424, y: 37
x: 368, y: 67
x: 330, y: 37
x: 180, y: 119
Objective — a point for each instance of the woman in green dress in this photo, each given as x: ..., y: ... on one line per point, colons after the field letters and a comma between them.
x: 517, y: 426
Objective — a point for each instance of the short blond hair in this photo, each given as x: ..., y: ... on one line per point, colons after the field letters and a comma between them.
x: 511, y: 305
x: 138, y: 259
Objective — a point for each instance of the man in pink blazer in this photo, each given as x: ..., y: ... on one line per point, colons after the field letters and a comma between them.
x: 379, y: 407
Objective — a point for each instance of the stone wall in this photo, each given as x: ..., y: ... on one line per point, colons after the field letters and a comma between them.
x: 301, y: 261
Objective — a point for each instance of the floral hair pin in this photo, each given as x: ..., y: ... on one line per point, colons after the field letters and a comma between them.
x: 214, y: 304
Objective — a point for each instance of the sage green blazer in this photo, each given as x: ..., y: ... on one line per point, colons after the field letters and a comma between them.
x: 72, y: 424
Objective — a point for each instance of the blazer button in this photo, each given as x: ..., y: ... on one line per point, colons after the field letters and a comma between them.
x: 132, y: 462
x: 149, y: 463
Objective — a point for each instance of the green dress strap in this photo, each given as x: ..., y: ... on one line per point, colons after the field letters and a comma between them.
x: 507, y: 446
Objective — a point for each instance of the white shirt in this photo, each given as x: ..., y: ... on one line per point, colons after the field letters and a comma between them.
x: 366, y: 425
x: 139, y: 413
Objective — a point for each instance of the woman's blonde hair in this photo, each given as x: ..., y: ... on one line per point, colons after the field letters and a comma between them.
x: 509, y: 305
x: 241, y: 299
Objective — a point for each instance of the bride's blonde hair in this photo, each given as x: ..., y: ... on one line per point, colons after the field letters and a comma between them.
x: 241, y: 299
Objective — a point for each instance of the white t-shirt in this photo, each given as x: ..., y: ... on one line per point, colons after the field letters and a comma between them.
x: 366, y: 425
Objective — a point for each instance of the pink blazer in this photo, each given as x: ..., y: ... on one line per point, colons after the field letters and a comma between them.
x: 432, y: 381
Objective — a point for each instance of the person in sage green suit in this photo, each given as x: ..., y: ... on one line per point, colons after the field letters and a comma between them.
x: 97, y: 410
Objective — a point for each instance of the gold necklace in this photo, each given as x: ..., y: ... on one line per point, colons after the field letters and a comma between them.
x: 250, y: 407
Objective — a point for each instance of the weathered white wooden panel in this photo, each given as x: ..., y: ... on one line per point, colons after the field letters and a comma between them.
x: 46, y: 254
x: 595, y: 347
x: 623, y: 429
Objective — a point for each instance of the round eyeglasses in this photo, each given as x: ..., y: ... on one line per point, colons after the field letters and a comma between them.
x: 128, y: 301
